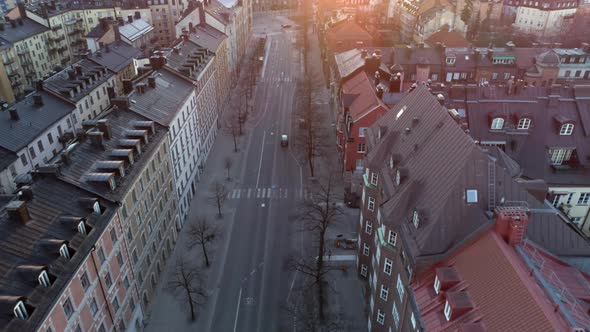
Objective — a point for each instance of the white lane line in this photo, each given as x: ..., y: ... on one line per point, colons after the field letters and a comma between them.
x: 286, y: 193
x: 266, y: 57
x: 235, y: 193
x: 260, y: 163
x: 270, y: 193
x: 263, y: 192
x: 238, y: 310
x: 249, y: 189
x: 239, y: 193
x: 258, y: 193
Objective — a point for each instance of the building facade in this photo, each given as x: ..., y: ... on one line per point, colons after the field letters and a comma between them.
x: 545, y: 19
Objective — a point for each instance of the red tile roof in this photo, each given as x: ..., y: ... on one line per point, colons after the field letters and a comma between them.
x: 505, y: 295
x: 348, y: 30
x: 449, y: 38
x: 362, y: 92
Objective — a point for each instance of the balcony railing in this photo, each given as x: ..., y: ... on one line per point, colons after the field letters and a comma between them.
x: 8, y: 61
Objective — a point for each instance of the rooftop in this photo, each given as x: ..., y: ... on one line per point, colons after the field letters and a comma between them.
x: 116, y: 56
x: 207, y: 37
x: 218, y: 10
x: 20, y: 29
x: 162, y: 103
x: 33, y: 119
x: 188, y: 58
x: 134, y: 139
x: 134, y: 30
x: 46, y: 8
x: 348, y: 30
x: 349, y: 62
x: 79, y: 79
x: 448, y: 38
x: 361, y: 96
x: 55, y: 209
x: 7, y: 157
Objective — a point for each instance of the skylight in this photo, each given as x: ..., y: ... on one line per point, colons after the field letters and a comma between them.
x: 471, y: 196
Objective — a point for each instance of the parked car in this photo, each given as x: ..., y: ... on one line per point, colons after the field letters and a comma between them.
x: 286, y: 25
x: 284, y: 140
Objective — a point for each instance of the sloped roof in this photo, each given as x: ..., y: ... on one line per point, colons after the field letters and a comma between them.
x: 119, y: 56
x: 348, y: 30
x: 20, y: 32
x: 365, y: 100
x: 449, y: 38
x: 6, y: 158
x: 218, y: 11
x: 134, y: 30
x: 208, y: 37
x: 349, y: 62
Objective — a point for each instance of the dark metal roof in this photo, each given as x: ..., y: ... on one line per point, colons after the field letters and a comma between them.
x: 36, y: 244
x: 218, y: 11
x: 61, y: 83
x: 34, y: 120
x: 185, y: 53
x: 119, y: 56
x: 28, y: 29
x: 85, y: 156
x: 208, y: 37
x: 6, y: 158
x: 161, y: 104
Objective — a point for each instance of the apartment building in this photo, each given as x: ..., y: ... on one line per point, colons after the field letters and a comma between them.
x: 181, y: 96
x: 543, y: 130
x: 6, y: 5
x: 428, y: 190
x: 120, y: 59
x: 24, y: 54
x: 545, y: 19
x: 65, y: 266
x: 34, y: 130
x: 132, y: 31
x: 84, y: 84
x: 419, y: 19
x: 125, y: 159
x: 165, y: 14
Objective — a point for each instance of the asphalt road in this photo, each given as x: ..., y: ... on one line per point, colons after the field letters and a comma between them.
x: 254, y: 282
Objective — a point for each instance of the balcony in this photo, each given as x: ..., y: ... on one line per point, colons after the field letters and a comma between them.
x: 62, y: 49
x: 75, y: 32
x: 56, y: 28
x: 8, y: 61
x: 15, y: 83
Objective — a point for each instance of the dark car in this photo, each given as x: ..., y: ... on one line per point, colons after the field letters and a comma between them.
x: 286, y: 26
x: 284, y: 140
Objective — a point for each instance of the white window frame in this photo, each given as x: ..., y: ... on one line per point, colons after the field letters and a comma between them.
x: 451, y: 60
x: 362, y: 131
x: 374, y: 178
x: 20, y: 310
x: 384, y: 294
x: 392, y: 238
x: 400, y: 287
x: 566, y: 129
x: 436, y: 285
x: 524, y: 124
x: 558, y: 156
x: 387, y: 266
x: 448, y: 310
x: 366, y: 249
x: 380, y: 317
x: 43, y: 279
x: 364, y: 270
x: 368, y: 227
x: 64, y: 252
x: 413, y: 320
x: 361, y: 148
x: 371, y: 204
x: 584, y: 198
x: 398, y: 178
x: 497, y: 124
x: 416, y: 219
x: 82, y: 228
x: 395, y: 314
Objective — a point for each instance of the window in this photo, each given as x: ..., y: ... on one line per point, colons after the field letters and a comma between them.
x: 143, y: 240
x: 116, y: 304
x: 362, y: 131
x: 101, y: 257
x: 120, y: 259
x: 387, y: 265
x: 416, y: 219
x: 20, y: 310
x: 413, y: 320
x: 392, y: 238
x: 368, y: 227
x: 361, y: 148
x: 50, y: 138
x: 126, y: 282
x: 68, y: 308
x: 578, y: 73
x: 497, y: 123
x: 113, y: 234
x: 32, y: 152
x: 395, y: 315
x: 451, y: 60
x: 400, y: 287
x: 584, y: 197
x: 524, y: 123
x: 44, y: 279
x: 366, y: 250
x: 84, y: 281
x: 371, y: 205
x: 398, y: 178
x: 447, y: 311
x: 471, y: 195
x: 364, y: 270
x: 134, y: 255
x: 558, y: 156
x: 108, y: 280
x: 436, y: 285
x: 566, y: 129
x: 93, y: 306
x: 40, y: 145
x: 384, y: 292
x: 64, y: 251
x: 374, y: 178
x: 23, y: 159
x: 380, y: 317
x: 568, y: 73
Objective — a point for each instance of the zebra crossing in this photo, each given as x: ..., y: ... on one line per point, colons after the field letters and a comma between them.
x: 278, y: 79
x: 269, y: 193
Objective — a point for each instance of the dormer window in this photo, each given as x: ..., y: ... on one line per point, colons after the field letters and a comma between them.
x: 497, y: 124
x: 436, y: 285
x: 82, y: 228
x: 447, y: 310
x: 64, y: 251
x: 374, y: 178
x: 20, y: 310
x: 96, y: 208
x: 566, y: 129
x: 416, y: 219
x: 44, y: 279
x: 397, y: 177
x: 391, y: 162
x: 524, y: 124
x: 451, y: 60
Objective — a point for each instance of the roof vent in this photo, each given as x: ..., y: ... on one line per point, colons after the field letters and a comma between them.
x: 17, y: 210
x: 123, y: 154
x: 107, y: 179
x: 89, y: 124
x: 152, y: 82
x: 445, y: 278
x: 14, y: 114
x: 457, y: 304
x: 38, y: 99
x: 111, y: 166
x: 149, y: 125
x: 138, y: 133
x: 141, y: 88
x: 20, y: 310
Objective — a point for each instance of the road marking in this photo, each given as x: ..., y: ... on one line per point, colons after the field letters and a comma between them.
x: 260, y: 164
x: 238, y: 310
x: 267, y: 46
x: 263, y: 192
x: 286, y: 193
x: 249, y: 189
x: 258, y: 193
x: 239, y: 193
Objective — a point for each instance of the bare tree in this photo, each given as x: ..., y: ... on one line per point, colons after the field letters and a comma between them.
x: 232, y: 127
x: 227, y: 164
x: 318, y: 214
x: 202, y: 234
x: 218, y: 196
x: 304, y: 311
x: 187, y: 283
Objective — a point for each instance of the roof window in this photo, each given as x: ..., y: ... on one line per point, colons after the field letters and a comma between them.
x: 20, y: 310
x: 471, y: 196
x: 445, y: 278
x: 416, y: 218
x: 64, y: 251
x: 566, y: 129
x: 82, y: 228
x: 44, y: 279
x: 457, y: 304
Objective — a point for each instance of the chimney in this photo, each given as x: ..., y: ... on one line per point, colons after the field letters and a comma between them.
x: 127, y: 86
x: 14, y: 114
x: 107, y: 48
x: 201, y: 12
x: 364, y: 53
x: 121, y: 21
x: 129, y: 18
x: 105, y: 127
x: 157, y: 62
x: 39, y: 85
x: 12, y: 23
x: 38, y: 99
x: 71, y: 74
x: 512, y: 225
x: 104, y: 23
x: 379, y: 92
x: 510, y: 85
x: 152, y: 82
x: 137, y: 15
x: 96, y: 139
x: 78, y: 70
x: 441, y: 99
x: 17, y: 210
x: 377, y: 77
x: 20, y: 21
x: 1, y: 26
x: 21, y: 9
x: 25, y: 193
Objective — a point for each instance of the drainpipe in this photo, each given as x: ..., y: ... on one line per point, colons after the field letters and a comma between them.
x: 102, y: 289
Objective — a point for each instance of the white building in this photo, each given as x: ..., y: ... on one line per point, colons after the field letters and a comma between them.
x: 545, y: 18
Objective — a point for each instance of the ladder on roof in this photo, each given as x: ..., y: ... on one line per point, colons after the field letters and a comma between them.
x: 491, y: 185
x: 492, y: 92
